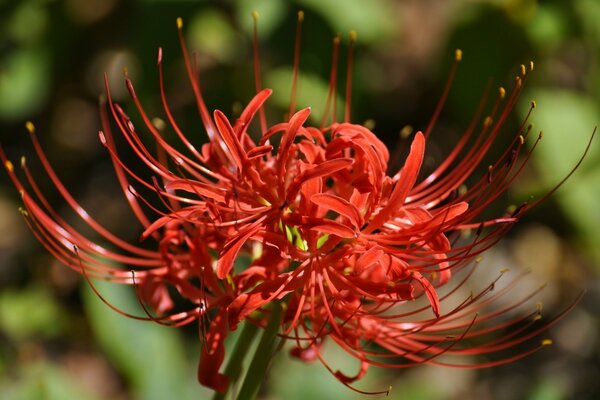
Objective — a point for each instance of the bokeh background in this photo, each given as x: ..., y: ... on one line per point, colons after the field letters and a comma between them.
x: 58, y: 341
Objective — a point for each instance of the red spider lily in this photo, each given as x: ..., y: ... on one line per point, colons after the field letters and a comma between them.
x: 344, y: 243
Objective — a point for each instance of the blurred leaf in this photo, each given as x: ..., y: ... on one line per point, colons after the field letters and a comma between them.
x: 547, y: 390
x: 567, y: 119
x: 548, y: 28
x: 293, y: 379
x: 152, y: 357
x: 357, y: 15
x: 24, y: 84
x: 28, y: 22
x: 312, y: 92
x: 211, y: 33
x: 271, y: 14
x: 493, y: 46
x: 30, y: 312
x: 44, y: 381
x: 589, y: 14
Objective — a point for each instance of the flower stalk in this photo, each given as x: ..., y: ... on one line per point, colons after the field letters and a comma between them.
x: 243, y: 344
x: 257, y: 369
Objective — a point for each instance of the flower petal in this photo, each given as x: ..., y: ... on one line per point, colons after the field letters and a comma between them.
x: 340, y: 206
x: 213, y: 354
x: 408, y: 177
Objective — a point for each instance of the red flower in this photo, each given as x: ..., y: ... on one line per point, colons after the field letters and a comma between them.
x: 344, y: 245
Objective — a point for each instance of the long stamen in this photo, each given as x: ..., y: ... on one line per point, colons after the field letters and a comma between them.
x: 257, y: 79
x: 331, y: 102
x: 457, y: 59
x: 349, y: 66
x: 296, y: 67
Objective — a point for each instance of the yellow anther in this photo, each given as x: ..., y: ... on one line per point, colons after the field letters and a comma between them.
x: 521, y: 139
x: 541, y: 135
x: 23, y: 161
x: 518, y: 81
x: 502, y: 92
x: 479, y: 259
x: 533, y: 104
x: 352, y: 36
x: 9, y: 166
x: 30, y: 127
x: 537, y: 317
x: 179, y: 23
x: 255, y: 15
x: 530, y: 65
x: 539, y: 307
x: 490, y: 168
x: 300, y: 15
x: 457, y: 55
x: 159, y: 123
x: 487, y: 121
x: 504, y: 270
x: 523, y: 70
x: 546, y: 342
x: 336, y: 39
x: 406, y: 131
x: 369, y: 124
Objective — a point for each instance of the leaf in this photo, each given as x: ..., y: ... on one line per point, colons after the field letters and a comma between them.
x: 357, y: 15
x: 24, y: 83
x: 150, y: 356
x: 568, y: 119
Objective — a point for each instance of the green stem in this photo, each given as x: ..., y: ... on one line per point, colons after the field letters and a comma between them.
x: 262, y: 356
x: 234, y: 365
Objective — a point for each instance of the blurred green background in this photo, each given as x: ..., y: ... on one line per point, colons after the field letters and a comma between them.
x: 58, y: 341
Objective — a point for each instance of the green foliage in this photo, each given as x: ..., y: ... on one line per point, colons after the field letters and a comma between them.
x: 568, y: 118
x: 152, y: 357
x: 44, y: 381
x: 30, y: 313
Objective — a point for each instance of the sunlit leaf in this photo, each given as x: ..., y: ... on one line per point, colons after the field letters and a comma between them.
x: 357, y: 15
x: 271, y: 14
x: 568, y: 119
x: 212, y: 35
x: 44, y: 381
x: 30, y: 312
x: 28, y: 22
x: 152, y: 357
x: 23, y: 82
x: 312, y: 91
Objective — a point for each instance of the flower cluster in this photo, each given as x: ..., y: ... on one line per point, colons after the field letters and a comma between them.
x: 340, y: 243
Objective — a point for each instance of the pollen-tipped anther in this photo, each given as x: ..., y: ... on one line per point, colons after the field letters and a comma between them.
x: 30, y: 127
